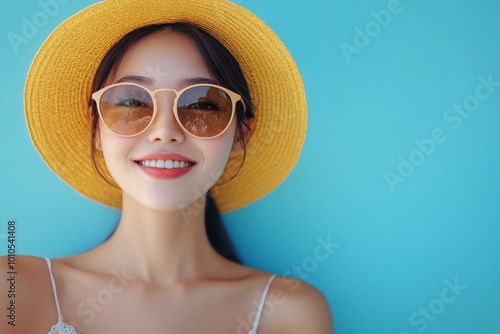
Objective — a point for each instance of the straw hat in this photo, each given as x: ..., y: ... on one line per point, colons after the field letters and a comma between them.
x: 59, y: 82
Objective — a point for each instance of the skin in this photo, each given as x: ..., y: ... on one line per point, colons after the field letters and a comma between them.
x: 158, y: 273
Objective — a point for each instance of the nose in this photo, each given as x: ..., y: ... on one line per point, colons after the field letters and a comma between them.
x: 165, y: 128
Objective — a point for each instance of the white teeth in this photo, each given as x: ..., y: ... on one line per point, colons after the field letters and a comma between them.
x: 168, y: 164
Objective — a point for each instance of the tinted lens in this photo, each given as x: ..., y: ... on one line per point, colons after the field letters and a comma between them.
x: 126, y: 109
x: 204, y: 111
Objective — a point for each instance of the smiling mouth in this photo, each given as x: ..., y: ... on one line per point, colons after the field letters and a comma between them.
x: 165, y: 164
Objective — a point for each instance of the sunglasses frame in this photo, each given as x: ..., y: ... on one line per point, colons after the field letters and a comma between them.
x: 234, y: 97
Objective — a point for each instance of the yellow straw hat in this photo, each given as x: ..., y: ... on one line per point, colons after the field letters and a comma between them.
x: 58, y: 88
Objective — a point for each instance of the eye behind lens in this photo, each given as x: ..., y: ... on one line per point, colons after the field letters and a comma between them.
x: 126, y: 109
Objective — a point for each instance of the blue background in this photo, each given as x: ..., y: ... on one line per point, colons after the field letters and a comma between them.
x: 397, y: 249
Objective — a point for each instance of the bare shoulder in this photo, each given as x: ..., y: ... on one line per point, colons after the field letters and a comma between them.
x: 298, y: 308
x: 25, y: 293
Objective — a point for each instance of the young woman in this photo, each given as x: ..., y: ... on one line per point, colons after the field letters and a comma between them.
x: 172, y: 111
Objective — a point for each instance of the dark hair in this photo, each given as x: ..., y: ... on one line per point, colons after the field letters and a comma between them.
x: 226, y: 71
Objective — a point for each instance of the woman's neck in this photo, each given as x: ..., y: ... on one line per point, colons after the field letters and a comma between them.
x: 160, y: 247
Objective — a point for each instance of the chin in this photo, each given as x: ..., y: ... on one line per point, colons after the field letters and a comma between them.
x: 170, y: 204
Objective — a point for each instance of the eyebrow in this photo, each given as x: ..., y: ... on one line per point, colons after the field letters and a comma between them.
x: 145, y: 81
x: 197, y: 80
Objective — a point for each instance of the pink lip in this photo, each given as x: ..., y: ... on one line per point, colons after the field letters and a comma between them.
x: 163, y: 173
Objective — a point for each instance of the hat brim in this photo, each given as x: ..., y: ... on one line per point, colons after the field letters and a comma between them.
x: 58, y: 87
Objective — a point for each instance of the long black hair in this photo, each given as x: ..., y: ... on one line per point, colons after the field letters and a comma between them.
x: 226, y: 71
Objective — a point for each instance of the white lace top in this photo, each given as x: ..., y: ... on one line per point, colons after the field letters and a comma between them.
x: 63, y: 328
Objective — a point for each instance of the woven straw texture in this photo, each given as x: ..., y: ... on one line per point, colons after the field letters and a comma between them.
x: 58, y: 84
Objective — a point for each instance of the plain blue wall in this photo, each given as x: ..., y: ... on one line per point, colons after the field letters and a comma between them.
x: 415, y: 248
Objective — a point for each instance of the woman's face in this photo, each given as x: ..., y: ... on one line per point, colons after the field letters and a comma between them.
x: 164, y: 60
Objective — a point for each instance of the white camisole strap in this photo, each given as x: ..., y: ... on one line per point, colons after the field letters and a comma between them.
x: 54, y: 287
x: 261, y: 305
x: 61, y: 327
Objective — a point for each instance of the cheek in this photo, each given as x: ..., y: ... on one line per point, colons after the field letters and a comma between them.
x: 109, y: 141
x: 114, y: 149
x: 223, y: 144
x: 217, y: 152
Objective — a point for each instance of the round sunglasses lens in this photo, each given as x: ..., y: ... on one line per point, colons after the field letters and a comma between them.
x: 126, y: 109
x: 204, y: 111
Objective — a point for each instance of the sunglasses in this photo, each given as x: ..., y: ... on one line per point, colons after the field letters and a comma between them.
x: 202, y: 110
